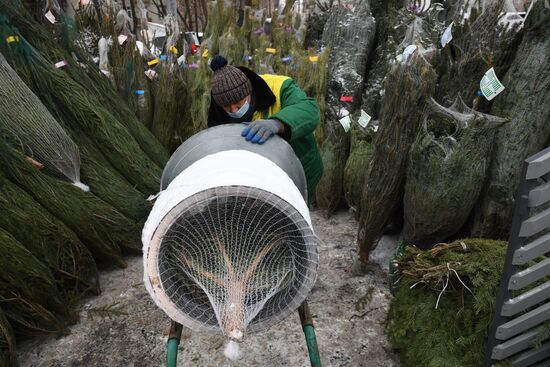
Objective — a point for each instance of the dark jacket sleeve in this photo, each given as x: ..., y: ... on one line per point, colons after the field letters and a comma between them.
x: 298, y: 111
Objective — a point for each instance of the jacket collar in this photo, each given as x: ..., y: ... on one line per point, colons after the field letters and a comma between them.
x: 263, y: 95
x: 263, y: 98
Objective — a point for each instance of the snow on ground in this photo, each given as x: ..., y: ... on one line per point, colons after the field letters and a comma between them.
x: 349, y: 315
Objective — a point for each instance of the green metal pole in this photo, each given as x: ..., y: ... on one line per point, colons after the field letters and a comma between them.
x: 309, y: 332
x: 173, y: 342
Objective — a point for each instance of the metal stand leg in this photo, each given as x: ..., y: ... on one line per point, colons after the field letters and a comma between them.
x: 309, y: 332
x: 173, y: 342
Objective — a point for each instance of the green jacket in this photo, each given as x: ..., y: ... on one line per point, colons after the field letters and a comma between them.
x: 280, y: 97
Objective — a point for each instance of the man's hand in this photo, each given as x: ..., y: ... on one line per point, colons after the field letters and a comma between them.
x: 260, y: 131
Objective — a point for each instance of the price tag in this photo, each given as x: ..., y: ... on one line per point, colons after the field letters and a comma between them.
x: 364, y: 119
x: 61, y: 63
x: 11, y: 39
x: 122, y: 38
x: 314, y: 58
x: 489, y: 85
x: 346, y: 123
x: 447, y: 36
x: 49, y: 15
x: 271, y: 50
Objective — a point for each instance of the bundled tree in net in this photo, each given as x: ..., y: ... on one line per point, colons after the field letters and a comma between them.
x: 407, y: 90
x: 355, y: 171
x: 23, y: 116
x: 350, y: 38
x: 446, y: 171
x: 103, y: 179
x: 70, y: 46
x: 112, y: 138
x: 525, y: 103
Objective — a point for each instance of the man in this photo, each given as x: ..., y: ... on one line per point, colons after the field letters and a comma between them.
x: 267, y: 105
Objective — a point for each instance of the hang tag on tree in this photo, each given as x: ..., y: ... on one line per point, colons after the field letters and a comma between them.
x: 364, y: 119
x: 193, y: 66
x: 409, y: 50
x: 286, y: 59
x: 205, y: 53
x: 61, y: 63
x: 270, y: 50
x: 163, y: 58
x: 151, y: 74
x: 122, y: 38
x: 489, y: 85
x: 139, y: 92
x: 314, y: 58
x: 447, y: 36
x: 194, y: 48
x: 346, y: 99
x: 11, y: 39
x: 345, y: 122
x: 153, y: 62
x: 174, y: 50
x: 181, y: 60
x: 49, y: 15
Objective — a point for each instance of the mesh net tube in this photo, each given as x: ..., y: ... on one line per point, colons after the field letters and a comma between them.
x: 233, y: 251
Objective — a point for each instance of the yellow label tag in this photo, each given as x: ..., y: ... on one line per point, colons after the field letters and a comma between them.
x: 314, y: 58
x: 153, y: 62
x: 271, y: 50
x: 205, y: 53
x: 11, y: 39
x: 174, y: 50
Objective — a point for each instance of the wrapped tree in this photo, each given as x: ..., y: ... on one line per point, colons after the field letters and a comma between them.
x: 408, y: 88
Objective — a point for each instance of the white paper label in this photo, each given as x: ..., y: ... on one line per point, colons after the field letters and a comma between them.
x: 364, y: 119
x: 447, y: 36
x: 343, y: 112
x: 49, y: 15
x: 346, y: 123
x: 60, y: 64
x: 122, y: 38
x: 490, y: 85
x: 409, y: 50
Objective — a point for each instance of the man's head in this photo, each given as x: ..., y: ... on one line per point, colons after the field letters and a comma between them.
x: 231, y: 89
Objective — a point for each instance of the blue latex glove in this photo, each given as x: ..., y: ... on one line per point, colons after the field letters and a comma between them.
x: 260, y: 131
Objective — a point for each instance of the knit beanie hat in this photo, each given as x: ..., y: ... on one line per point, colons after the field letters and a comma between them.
x: 229, y: 84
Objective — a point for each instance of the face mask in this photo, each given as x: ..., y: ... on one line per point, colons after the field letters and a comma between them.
x: 241, y: 112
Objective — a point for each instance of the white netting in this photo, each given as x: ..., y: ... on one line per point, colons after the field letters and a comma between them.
x: 24, y: 116
x: 232, y: 257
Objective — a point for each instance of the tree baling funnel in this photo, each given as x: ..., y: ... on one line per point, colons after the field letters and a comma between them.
x: 229, y: 244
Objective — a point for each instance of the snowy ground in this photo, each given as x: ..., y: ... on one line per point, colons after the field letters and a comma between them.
x: 349, y: 314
